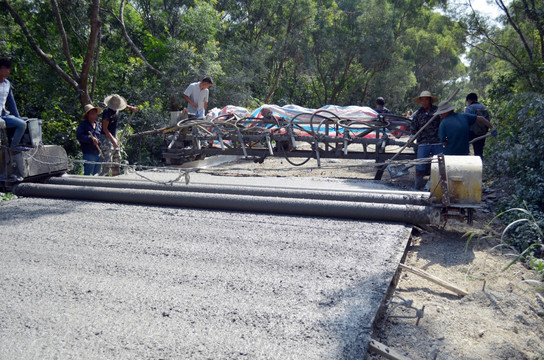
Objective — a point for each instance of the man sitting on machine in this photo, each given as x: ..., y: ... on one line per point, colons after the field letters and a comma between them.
x: 10, y: 115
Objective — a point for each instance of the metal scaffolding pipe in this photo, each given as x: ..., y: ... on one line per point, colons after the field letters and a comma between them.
x: 415, y: 214
x: 415, y: 198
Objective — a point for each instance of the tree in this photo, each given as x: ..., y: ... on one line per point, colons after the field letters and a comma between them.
x: 78, y: 80
x: 178, y: 39
x: 517, y: 45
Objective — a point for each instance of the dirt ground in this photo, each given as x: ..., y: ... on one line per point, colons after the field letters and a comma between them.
x: 502, y: 317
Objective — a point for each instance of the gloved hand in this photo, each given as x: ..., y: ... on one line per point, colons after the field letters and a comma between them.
x: 494, y: 132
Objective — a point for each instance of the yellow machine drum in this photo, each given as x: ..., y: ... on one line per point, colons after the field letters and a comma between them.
x: 464, y: 176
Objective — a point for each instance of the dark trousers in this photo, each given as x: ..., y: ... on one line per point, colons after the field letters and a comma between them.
x: 478, y: 146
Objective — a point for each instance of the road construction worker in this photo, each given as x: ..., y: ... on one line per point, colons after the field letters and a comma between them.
x: 428, y: 142
x: 478, y: 129
x: 108, y: 140
x: 88, y: 135
x: 197, y: 95
x: 10, y: 114
x: 380, y: 106
x: 455, y: 127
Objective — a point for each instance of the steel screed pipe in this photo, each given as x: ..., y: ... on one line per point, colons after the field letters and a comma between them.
x: 371, y: 196
x: 406, y: 213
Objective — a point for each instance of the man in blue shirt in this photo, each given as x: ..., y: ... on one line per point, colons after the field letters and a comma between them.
x: 454, y: 129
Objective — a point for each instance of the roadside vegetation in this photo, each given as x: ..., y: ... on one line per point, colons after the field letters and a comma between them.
x: 7, y: 196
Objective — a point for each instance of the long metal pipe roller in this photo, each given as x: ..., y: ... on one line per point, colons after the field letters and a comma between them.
x: 415, y: 198
x: 415, y: 214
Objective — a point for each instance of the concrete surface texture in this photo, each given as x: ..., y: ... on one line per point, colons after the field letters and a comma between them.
x: 94, y: 280
x: 263, y: 181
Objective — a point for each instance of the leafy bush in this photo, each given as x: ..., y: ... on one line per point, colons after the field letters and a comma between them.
x: 517, y: 151
x: 517, y: 154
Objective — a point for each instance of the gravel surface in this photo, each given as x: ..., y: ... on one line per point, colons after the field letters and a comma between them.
x: 95, y: 280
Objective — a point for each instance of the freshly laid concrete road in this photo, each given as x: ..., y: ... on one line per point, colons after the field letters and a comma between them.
x: 84, y: 280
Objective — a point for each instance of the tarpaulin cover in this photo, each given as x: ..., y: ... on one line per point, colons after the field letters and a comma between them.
x: 357, y: 113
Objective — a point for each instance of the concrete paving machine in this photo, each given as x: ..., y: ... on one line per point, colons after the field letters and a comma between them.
x: 31, y: 161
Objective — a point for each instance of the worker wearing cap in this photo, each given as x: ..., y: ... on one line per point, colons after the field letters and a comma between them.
x: 88, y: 135
x: 428, y: 142
x: 455, y: 127
x: 108, y: 140
x: 197, y: 94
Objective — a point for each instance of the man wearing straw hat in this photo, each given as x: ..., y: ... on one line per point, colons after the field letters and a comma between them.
x: 109, y: 143
x: 88, y: 134
x: 454, y: 129
x: 428, y: 142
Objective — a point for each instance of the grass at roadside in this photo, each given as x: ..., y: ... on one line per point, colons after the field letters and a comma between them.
x: 7, y: 196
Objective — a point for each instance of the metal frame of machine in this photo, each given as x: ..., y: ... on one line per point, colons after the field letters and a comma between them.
x: 321, y: 134
x: 35, y: 161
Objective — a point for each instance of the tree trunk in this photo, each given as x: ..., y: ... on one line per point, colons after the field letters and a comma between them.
x: 367, y: 84
x: 283, y: 57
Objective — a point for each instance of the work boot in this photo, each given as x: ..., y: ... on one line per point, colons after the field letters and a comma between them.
x: 18, y: 164
x: 420, y: 180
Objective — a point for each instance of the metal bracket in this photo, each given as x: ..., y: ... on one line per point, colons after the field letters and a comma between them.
x: 407, y: 304
x: 443, y: 180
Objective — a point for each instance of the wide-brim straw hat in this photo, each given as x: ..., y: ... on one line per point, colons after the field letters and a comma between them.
x: 425, y: 94
x: 90, y: 107
x: 115, y: 102
x: 444, y: 107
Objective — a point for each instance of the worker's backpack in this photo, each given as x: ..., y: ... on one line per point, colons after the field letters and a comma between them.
x: 478, y: 128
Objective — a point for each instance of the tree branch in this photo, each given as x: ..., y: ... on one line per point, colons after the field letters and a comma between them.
x: 503, y: 51
x: 49, y: 61
x: 503, y: 7
x: 82, y: 41
x: 533, y: 14
x: 133, y: 46
x: 65, y: 46
x: 95, y: 62
x: 283, y: 55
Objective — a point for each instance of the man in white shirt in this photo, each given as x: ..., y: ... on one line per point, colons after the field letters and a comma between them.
x: 8, y: 108
x: 196, y: 95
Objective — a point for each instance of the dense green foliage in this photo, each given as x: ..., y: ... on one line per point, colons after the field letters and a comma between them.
x: 508, y: 65
x: 307, y: 52
x: 517, y: 152
x: 525, y: 234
